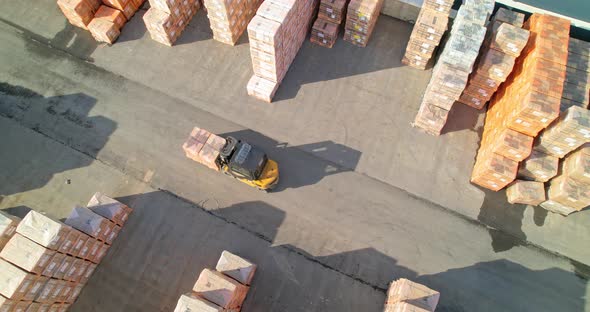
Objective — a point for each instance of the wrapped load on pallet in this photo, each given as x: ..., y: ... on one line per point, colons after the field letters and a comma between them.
x: 509, y: 17
x: 8, y: 224
x: 26, y: 254
x: 220, y: 289
x: 204, y: 147
x: 324, y: 33
x: 566, y: 134
x: 405, y: 295
x: 361, y: 18
x: 236, y: 267
x: 538, y: 167
x: 196, y: 303
x: 54, y: 264
x: 109, y: 208
x: 83, y: 219
x: 526, y: 192
x: 43, y: 230
x: 332, y: 10
x: 79, y: 12
x: 14, y: 282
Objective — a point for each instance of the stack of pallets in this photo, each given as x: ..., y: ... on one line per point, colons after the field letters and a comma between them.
x: 451, y: 73
x: 166, y: 19
x: 496, y: 62
x: 276, y: 33
x: 204, y: 147
x: 326, y: 27
x: 361, y: 18
x: 525, y: 104
x: 427, y: 33
x: 45, y: 263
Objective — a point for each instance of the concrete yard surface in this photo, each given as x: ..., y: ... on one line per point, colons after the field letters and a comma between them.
x: 364, y: 198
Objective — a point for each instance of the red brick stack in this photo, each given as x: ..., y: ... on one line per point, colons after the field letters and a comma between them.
x: 166, y: 19
x: 229, y: 18
x: 326, y: 27
x: 525, y: 104
x: 103, y: 19
x: 406, y: 296
x: 46, y: 263
x: 276, y: 33
x: 427, y: 33
x: 361, y: 18
x: 496, y: 61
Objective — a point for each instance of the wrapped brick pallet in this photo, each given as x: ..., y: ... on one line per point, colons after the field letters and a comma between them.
x: 276, y: 33
x: 405, y: 295
x: 326, y: 27
x: 79, y: 12
x: 221, y: 290
x: 8, y: 224
x: 450, y: 75
x: 229, y: 18
x: 46, y: 263
x: 361, y: 17
x: 166, y: 19
x: 525, y: 104
x: 427, y: 33
x: 204, y: 147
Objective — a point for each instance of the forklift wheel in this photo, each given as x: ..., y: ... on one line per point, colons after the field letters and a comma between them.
x: 264, y: 190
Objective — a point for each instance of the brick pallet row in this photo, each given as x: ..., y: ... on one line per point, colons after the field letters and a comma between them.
x: 327, y: 26
x: 222, y: 289
x: 427, y: 33
x: 503, y: 45
x: 450, y: 75
x: 45, y: 263
x: 103, y: 19
x: 406, y: 296
x: 361, y: 17
x: 276, y: 33
x: 166, y: 19
x: 570, y: 190
x: 229, y: 19
x: 524, y: 105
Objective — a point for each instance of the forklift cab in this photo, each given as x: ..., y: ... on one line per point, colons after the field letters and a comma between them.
x: 243, y: 160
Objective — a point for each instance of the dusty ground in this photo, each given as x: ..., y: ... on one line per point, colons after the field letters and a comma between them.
x: 363, y: 199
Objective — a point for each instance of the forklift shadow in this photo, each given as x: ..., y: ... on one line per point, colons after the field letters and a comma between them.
x: 302, y: 165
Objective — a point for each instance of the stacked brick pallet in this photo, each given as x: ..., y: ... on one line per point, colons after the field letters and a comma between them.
x: 166, y: 19
x: 276, y: 33
x: 450, y: 75
x: 45, y: 263
x: 229, y: 18
x: 326, y: 27
x: 103, y: 19
x: 361, y: 18
x: 406, y: 296
x: 496, y: 61
x: 204, y: 147
x: 523, y: 106
x: 428, y: 31
x: 224, y: 289
x: 568, y: 137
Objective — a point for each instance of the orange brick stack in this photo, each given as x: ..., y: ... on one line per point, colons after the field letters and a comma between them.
x: 496, y: 61
x: 79, y: 12
x: 276, y: 34
x: 326, y: 27
x: 361, y: 18
x: 166, y: 19
x: 224, y: 289
x: 46, y: 263
x: 103, y: 19
x: 525, y: 104
x: 229, y: 18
